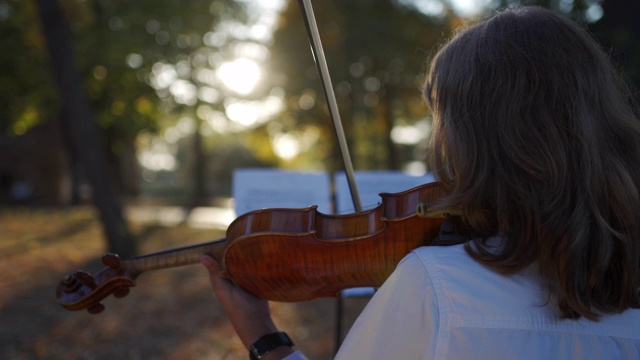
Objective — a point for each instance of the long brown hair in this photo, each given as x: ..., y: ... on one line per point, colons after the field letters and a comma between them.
x: 535, y: 138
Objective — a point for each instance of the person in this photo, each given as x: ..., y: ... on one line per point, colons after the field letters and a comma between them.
x: 536, y: 139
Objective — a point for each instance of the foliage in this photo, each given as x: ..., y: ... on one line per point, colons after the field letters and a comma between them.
x: 117, y: 44
x: 376, y: 51
x: 139, y: 59
x: 27, y: 96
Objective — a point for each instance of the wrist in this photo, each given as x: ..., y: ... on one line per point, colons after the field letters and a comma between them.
x: 250, y: 331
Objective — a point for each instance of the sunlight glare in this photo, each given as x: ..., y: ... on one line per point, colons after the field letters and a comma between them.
x: 286, y: 146
x: 464, y: 8
x: 245, y: 113
x: 429, y: 7
x: 184, y: 92
x: 241, y: 75
x: 158, y: 157
x: 410, y: 134
x: 469, y: 8
x: 163, y: 75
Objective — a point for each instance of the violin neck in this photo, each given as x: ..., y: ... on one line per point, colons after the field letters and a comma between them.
x: 173, y: 257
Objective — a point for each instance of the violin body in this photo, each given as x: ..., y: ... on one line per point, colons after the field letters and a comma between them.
x: 298, y: 255
x: 285, y: 255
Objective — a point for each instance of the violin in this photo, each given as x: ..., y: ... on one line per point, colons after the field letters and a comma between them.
x: 289, y: 255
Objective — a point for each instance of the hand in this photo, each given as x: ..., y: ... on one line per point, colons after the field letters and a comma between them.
x: 249, y: 315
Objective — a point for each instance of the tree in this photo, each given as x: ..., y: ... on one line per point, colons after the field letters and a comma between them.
x: 141, y: 78
x: 119, y: 47
x: 375, y: 60
x: 80, y: 128
x: 136, y: 41
x: 26, y: 90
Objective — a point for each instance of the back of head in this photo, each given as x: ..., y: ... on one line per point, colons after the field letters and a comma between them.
x: 535, y: 138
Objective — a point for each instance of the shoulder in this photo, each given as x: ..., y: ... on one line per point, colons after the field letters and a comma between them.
x: 454, y: 264
x: 437, y: 265
x: 437, y: 253
x: 434, y: 259
x: 453, y: 255
x: 464, y: 286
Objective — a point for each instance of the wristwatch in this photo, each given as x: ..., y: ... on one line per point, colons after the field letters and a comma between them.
x: 268, y: 343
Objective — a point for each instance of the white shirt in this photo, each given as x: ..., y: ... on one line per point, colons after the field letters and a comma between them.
x: 441, y: 304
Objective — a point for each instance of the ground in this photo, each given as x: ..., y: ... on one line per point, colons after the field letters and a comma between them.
x: 169, y: 314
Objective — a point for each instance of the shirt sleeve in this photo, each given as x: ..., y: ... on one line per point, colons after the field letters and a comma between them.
x: 401, y: 318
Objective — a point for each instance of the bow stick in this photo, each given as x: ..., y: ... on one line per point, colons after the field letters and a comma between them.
x: 323, y: 70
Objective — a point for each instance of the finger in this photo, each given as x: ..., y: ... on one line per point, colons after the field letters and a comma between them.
x: 216, y: 274
x: 210, y: 263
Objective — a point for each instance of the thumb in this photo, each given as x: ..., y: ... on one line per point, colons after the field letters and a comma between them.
x: 211, y: 264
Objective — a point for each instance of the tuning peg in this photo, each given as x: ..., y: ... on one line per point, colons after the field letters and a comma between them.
x: 111, y: 260
x: 85, y: 278
x: 71, y: 284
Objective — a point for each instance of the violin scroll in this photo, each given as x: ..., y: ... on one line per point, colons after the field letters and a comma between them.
x: 81, y: 290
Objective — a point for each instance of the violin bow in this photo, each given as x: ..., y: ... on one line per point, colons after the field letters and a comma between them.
x: 323, y: 70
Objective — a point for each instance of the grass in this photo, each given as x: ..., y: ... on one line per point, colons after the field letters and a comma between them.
x: 169, y: 314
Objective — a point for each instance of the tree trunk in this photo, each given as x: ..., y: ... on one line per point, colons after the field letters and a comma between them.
x: 129, y: 169
x: 74, y: 167
x: 81, y: 129
x: 199, y: 195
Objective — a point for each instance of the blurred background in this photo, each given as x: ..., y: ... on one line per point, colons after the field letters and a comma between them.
x: 119, y: 119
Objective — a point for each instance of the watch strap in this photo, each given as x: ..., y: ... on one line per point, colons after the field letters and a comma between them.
x: 268, y: 343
